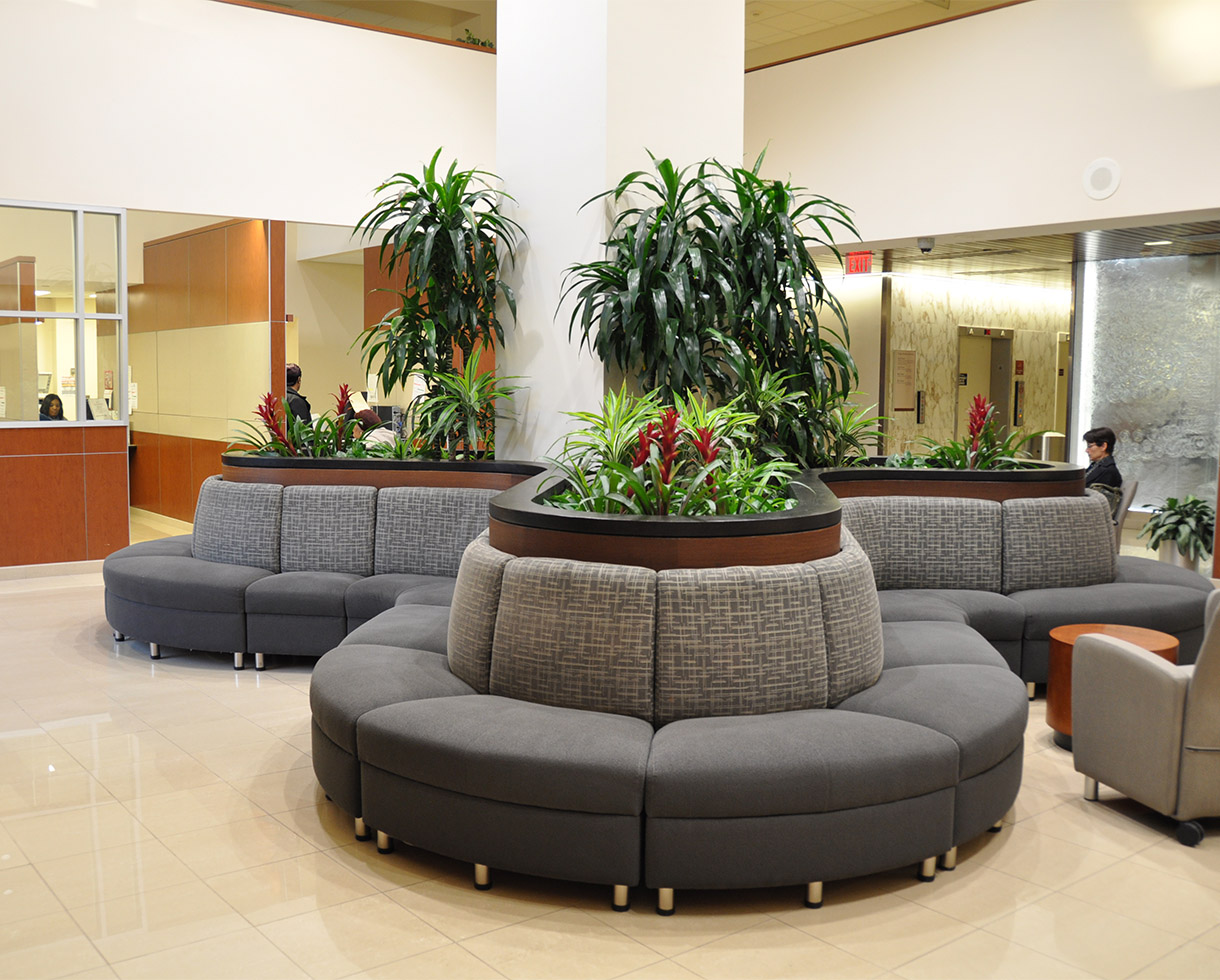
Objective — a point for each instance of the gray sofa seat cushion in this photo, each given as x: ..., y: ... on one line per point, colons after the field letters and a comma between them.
x: 1170, y: 608
x: 437, y: 591
x: 182, y: 583
x: 513, y: 751
x: 928, y: 542
x: 1057, y: 542
x: 909, y: 605
x: 916, y: 643
x: 238, y: 523
x: 576, y: 634
x: 795, y: 762
x: 996, y: 616
x: 1153, y: 572
x: 300, y: 594
x: 983, y: 709
x: 328, y: 529
x: 178, y: 546
x: 476, y: 601
x: 738, y: 641
x: 425, y: 529
x: 367, y: 597
x: 357, y: 677
x: 423, y: 627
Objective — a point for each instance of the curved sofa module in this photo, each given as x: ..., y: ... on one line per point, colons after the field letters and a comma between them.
x: 481, y: 474
x: 524, y: 526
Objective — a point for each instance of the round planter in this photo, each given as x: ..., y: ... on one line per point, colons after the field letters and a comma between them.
x: 1168, y: 552
x: 1045, y: 479
x: 483, y: 474
x: 522, y: 525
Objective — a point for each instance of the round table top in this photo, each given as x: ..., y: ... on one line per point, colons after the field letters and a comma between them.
x: 1152, y: 640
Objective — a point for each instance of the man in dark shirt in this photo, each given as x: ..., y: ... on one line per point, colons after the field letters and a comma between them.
x: 1099, y: 445
x: 297, y: 403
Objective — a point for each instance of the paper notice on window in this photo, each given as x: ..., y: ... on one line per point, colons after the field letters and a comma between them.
x: 904, y: 381
x: 3, y: 402
x: 131, y: 396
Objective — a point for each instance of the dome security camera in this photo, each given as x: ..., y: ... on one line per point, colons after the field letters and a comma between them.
x: 925, y: 244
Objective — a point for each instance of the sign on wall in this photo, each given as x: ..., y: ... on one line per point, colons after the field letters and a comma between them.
x: 904, y: 381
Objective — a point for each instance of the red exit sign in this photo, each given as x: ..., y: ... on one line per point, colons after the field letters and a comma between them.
x: 859, y: 262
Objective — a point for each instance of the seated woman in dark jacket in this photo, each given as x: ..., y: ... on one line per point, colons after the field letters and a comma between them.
x: 51, y: 409
x: 1099, y: 445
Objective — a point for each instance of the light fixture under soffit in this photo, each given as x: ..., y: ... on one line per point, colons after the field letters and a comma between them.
x: 42, y: 292
x: 1165, y: 241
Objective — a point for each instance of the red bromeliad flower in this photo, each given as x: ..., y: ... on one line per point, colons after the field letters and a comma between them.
x: 272, y: 415
x: 343, y: 399
x: 980, y: 411
x: 668, y: 441
x: 704, y: 441
x: 647, y: 438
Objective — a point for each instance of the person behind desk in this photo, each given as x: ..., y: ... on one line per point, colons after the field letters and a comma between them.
x: 373, y: 430
x: 1099, y: 445
x: 295, y: 402
x: 51, y: 409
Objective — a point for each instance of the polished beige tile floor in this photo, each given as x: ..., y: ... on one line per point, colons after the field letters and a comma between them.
x: 161, y: 819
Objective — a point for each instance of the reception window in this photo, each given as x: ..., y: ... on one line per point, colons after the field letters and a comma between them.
x: 63, y: 313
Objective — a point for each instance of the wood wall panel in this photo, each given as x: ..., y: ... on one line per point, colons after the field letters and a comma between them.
x: 43, y: 517
x: 47, y: 439
x: 105, y: 439
x: 107, y: 522
x: 176, y: 497
x: 205, y: 462
x: 146, y: 471
x: 275, y: 283
x: 376, y: 302
x: 166, y: 269
x: 206, y: 271
x: 246, y: 258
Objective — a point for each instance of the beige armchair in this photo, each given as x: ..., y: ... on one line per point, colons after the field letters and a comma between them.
x: 1148, y: 728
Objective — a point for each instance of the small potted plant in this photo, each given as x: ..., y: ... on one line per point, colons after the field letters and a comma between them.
x: 1182, y: 530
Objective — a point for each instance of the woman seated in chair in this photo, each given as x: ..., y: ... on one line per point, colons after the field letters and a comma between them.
x: 1099, y: 445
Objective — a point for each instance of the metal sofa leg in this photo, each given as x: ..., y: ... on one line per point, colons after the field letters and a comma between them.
x: 813, y: 895
x: 665, y: 901
x: 927, y: 870
x: 1031, y: 689
x: 622, y: 899
x: 948, y: 860
x: 362, y: 829
x: 154, y: 651
x: 482, y: 877
x: 996, y: 827
x: 259, y: 662
x: 118, y: 637
x: 239, y: 660
x: 1092, y: 789
x: 384, y: 843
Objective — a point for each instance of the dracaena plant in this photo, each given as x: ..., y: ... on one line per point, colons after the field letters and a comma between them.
x: 707, y: 269
x: 445, y: 232
x: 638, y: 456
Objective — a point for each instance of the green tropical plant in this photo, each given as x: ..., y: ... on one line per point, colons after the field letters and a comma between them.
x: 280, y: 433
x: 709, y: 285
x: 445, y: 232
x: 638, y: 456
x: 983, y: 447
x: 456, y: 417
x: 1189, y: 523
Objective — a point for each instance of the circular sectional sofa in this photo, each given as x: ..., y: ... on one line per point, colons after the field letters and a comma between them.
x: 688, y: 728
x: 731, y: 727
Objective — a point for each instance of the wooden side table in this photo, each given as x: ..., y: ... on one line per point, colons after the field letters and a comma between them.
x: 1059, y: 671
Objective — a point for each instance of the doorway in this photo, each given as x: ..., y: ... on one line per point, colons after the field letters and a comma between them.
x: 984, y: 367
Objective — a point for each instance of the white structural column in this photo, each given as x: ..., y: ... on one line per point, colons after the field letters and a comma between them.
x: 583, y: 90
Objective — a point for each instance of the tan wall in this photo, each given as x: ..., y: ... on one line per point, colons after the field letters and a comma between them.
x: 925, y: 315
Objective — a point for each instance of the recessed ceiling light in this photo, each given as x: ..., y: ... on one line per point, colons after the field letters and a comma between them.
x: 93, y: 295
x: 1165, y: 242
x: 42, y: 292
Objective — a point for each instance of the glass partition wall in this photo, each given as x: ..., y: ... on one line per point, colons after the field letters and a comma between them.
x: 63, y: 309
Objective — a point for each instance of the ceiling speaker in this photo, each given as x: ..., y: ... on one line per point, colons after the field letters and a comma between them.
x: 1101, y: 178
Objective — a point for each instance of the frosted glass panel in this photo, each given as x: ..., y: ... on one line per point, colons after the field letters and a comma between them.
x: 1149, y: 356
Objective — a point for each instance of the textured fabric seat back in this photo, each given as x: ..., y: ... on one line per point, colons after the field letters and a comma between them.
x: 1199, y: 787
x: 425, y: 530
x: 472, y: 617
x: 928, y: 542
x: 328, y: 529
x: 1057, y: 542
x: 739, y: 641
x: 576, y: 634
x: 851, y: 620
x: 238, y: 523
